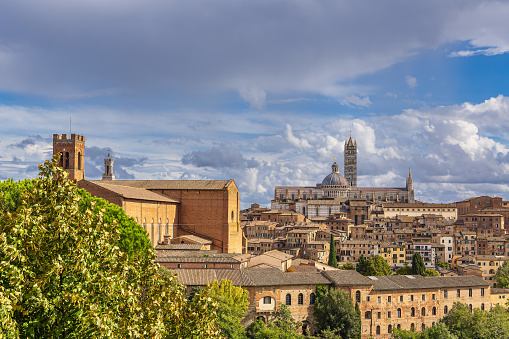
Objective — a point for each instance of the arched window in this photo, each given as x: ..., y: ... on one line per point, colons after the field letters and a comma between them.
x: 412, y: 326
x: 79, y: 160
x: 434, y: 311
x: 232, y: 216
x: 412, y: 312
x: 470, y: 292
x: 482, y: 306
x: 399, y: 326
x: 423, y: 311
x: 288, y: 299
x: 423, y: 326
x: 367, y: 315
x: 66, y: 160
x: 311, y: 298
x: 470, y: 307
x: 378, y: 329
x: 445, y: 309
x: 300, y: 299
x: 358, y: 296
x: 399, y: 313
x: 389, y: 329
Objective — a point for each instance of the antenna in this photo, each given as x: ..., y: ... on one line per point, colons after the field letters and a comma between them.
x: 70, y: 131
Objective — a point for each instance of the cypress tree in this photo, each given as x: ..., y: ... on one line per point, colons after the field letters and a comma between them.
x: 361, y: 265
x: 332, y: 253
x: 418, y: 267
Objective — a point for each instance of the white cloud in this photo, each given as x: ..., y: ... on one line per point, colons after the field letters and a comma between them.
x: 353, y: 101
x: 411, y: 81
x: 300, y: 143
x: 256, y: 97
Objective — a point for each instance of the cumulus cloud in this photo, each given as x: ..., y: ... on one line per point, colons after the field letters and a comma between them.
x: 411, y: 81
x: 290, y: 137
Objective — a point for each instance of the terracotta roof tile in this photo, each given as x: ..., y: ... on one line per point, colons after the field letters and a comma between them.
x: 173, y: 184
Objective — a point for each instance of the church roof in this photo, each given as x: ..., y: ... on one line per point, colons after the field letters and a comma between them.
x: 129, y: 192
x: 334, y: 179
x: 173, y: 184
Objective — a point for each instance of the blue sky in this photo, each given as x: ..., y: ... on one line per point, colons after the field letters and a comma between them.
x: 262, y: 92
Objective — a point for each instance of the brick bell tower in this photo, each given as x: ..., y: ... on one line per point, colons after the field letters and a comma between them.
x: 72, y: 156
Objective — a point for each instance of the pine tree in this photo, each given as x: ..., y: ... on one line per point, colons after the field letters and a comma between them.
x: 332, y: 253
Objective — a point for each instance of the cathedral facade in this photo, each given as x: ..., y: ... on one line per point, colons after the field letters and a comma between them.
x: 335, y: 190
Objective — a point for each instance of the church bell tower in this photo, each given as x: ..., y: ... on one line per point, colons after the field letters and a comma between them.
x: 351, y: 162
x: 108, y: 168
x: 72, y: 156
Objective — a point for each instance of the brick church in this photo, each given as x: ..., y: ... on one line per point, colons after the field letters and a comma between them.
x: 201, y: 210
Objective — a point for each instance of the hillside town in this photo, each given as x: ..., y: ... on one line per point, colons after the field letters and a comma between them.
x: 281, y: 255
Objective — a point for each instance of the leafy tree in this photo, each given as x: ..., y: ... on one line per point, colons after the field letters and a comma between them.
x: 335, y: 312
x: 502, y: 275
x: 284, y: 327
x: 376, y: 266
x: 418, y: 267
x: 405, y: 270
x: 443, y: 264
x: 133, y: 238
x: 321, y: 290
x: 348, y: 266
x: 431, y: 273
x: 63, y: 274
x: 437, y: 331
x: 232, y: 306
x: 333, y: 262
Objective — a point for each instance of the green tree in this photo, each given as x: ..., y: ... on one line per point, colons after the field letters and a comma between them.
x: 437, y: 331
x: 431, y: 273
x: 232, y: 303
x: 348, y: 266
x: 376, y: 266
x: 502, y: 275
x: 418, y: 267
x: 133, y: 238
x: 333, y: 262
x: 63, y: 274
x: 443, y: 264
x: 284, y: 327
x: 335, y: 312
x: 405, y: 270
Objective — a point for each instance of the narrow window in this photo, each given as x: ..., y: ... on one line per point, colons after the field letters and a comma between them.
x: 378, y: 330
x: 470, y: 292
x: 358, y: 296
x: 389, y: 329
x: 412, y: 312
x: 423, y: 311
x: 434, y: 311
x: 458, y: 293
x: 367, y: 315
x: 445, y: 309
x: 288, y: 299
x: 266, y: 300
x: 399, y: 312
x: 311, y: 298
x: 300, y: 299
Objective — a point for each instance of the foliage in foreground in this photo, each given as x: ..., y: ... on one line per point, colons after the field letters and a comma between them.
x: 502, y: 275
x: 63, y: 274
x: 284, y: 327
x: 232, y: 304
x: 335, y: 315
x: 333, y: 262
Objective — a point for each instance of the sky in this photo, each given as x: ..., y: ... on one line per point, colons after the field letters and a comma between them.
x: 262, y: 92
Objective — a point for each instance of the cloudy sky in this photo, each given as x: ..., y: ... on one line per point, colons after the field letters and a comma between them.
x: 262, y: 92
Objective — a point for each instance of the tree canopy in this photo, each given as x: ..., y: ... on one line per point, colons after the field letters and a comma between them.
x: 335, y: 313
x: 502, y: 275
x: 64, y: 275
x: 375, y: 266
x: 232, y: 306
x: 284, y: 326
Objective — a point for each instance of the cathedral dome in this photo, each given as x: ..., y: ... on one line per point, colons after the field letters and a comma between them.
x: 334, y: 179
